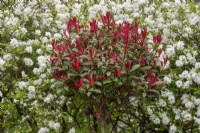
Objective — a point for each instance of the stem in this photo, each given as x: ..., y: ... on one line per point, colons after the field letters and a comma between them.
x: 1, y: 121
x: 89, y: 125
x: 103, y: 126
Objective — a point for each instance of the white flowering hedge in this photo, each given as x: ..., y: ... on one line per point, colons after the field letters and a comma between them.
x: 32, y: 101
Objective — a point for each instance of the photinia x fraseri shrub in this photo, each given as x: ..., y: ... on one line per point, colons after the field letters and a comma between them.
x: 105, y: 64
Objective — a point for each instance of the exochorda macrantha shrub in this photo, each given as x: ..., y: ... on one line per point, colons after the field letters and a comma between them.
x: 107, y: 64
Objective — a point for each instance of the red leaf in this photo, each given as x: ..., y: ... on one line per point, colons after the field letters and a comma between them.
x: 97, y: 115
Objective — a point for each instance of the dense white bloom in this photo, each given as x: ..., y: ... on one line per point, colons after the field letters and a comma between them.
x: 48, y: 98
x: 165, y: 118
x: 43, y: 76
x: 29, y: 49
x: 187, y: 84
x: 2, y: 62
x: 170, y: 51
x: 189, y: 105
x: 183, y: 59
x: 171, y: 99
x: 31, y: 89
x: 167, y: 80
x: 43, y: 130
x: 179, y: 63
x: 28, y: 62
x: 54, y: 125
x: 22, y: 84
x: 179, y: 83
x: 23, y: 74
x: 133, y: 101
x: 172, y: 129
x: 72, y: 130
x: 37, y: 71
x: 1, y: 95
x: 39, y: 51
x: 156, y: 120
x: 57, y: 36
x: 180, y: 45
x: 186, y: 116
x: 7, y: 57
x: 184, y: 74
x: 44, y: 40
x: 197, y: 65
x: 38, y: 32
x: 38, y: 82
x: 24, y: 30
x: 149, y: 111
x: 28, y: 11
x: 142, y: 1
x: 198, y: 111
x: 14, y: 42
x: 161, y: 103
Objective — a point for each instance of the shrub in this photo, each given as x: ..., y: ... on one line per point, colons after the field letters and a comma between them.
x: 106, y: 65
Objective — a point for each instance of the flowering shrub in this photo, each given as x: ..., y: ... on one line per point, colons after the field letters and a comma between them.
x: 31, y: 100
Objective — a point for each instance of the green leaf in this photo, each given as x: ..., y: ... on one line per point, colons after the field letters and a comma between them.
x: 108, y: 74
x: 107, y: 81
x: 146, y: 68
x: 135, y: 67
x: 96, y: 90
x: 158, y: 82
x: 97, y: 83
x: 89, y: 93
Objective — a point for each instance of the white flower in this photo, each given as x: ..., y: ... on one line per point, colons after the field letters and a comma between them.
x: 189, y: 105
x: 72, y: 130
x: 167, y: 80
x: 43, y: 130
x: 2, y: 62
x: 38, y: 32
x: 179, y: 83
x: 171, y: 99
x: 179, y: 63
x: 1, y: 95
x: 165, y: 119
x: 57, y: 36
x: 180, y: 45
x: 172, y: 129
x: 161, y: 103
x: 28, y: 62
x: 198, y: 112
x: 44, y: 39
x: 54, y: 125
x: 24, y: 30
x: 39, y: 51
x: 142, y: 1
x: 187, y: 84
x: 23, y: 74
x: 156, y: 120
x: 38, y: 82
x: 37, y: 71
x: 48, y: 34
x: 186, y: 116
x: 7, y: 57
x: 184, y: 74
x: 197, y: 65
x: 31, y: 89
x: 22, y: 84
x: 29, y: 49
x: 14, y: 43
x: 149, y: 111
x: 183, y: 59
x: 48, y: 98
